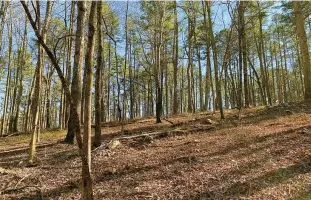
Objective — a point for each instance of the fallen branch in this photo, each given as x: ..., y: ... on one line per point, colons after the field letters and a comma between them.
x: 167, y: 133
x: 21, y: 180
x: 162, y: 134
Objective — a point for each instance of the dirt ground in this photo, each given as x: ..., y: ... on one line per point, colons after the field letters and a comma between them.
x: 264, y: 154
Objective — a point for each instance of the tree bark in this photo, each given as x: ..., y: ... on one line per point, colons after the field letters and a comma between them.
x: 88, y: 82
x: 21, y: 79
x: 303, y: 44
x: 175, y: 60
x: 7, y: 87
x: 98, y: 78
x: 244, y: 54
x: 218, y: 84
x: 86, y: 175
x: 76, y: 84
x: 125, y: 66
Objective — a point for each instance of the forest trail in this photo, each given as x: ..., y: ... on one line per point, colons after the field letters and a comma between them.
x: 264, y: 155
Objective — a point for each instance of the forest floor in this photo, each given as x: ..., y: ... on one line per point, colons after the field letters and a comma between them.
x: 263, y: 154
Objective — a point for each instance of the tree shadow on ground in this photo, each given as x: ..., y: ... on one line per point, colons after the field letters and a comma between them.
x: 54, y: 193
x: 270, y: 113
x: 238, y: 189
x: 239, y: 145
x: 248, y: 188
x: 269, y: 179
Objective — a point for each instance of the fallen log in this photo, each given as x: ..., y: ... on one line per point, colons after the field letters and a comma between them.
x: 167, y: 133
x: 148, y: 137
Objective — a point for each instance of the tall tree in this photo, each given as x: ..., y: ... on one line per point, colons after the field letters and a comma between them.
x: 8, y: 78
x: 213, y: 44
x: 243, y: 56
x: 86, y: 175
x: 190, y: 59
x: 304, y: 49
x: 208, y: 76
x: 175, y: 60
x: 38, y: 80
x: 88, y: 81
x: 124, y: 72
x: 21, y: 79
x: 76, y: 84
x: 98, y: 77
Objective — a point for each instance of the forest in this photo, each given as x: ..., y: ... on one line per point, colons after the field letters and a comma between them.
x: 155, y: 100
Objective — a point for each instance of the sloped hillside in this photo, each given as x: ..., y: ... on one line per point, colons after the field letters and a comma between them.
x: 263, y: 153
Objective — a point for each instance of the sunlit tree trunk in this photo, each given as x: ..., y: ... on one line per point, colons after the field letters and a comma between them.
x: 76, y: 84
x: 21, y: 79
x: 69, y: 58
x: 208, y: 62
x: 7, y: 87
x: 158, y: 69
x: 217, y: 82
x: 86, y: 176
x: 244, y: 54
x: 88, y: 82
x: 125, y: 67
x: 3, y: 11
x: 38, y: 80
x: 303, y: 44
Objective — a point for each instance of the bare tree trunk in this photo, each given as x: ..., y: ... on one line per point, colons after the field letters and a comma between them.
x: 118, y: 83
x: 30, y: 93
x: 218, y: 84
x: 21, y: 79
x: 125, y: 63
x: 244, y: 53
x: 258, y: 79
x: 198, y: 53
x: 38, y: 80
x: 108, y: 83
x: 158, y: 64
x: 3, y: 11
x: 69, y: 55
x: 132, y: 114
x: 240, y: 38
x: 175, y: 60
x: 7, y: 87
x: 86, y: 176
x: 166, y: 82
x: 35, y: 97
x: 87, y: 130
x: 97, y: 137
x: 76, y: 84
x: 208, y: 79
x: 303, y: 44
x: 190, y: 108
x: 48, y: 104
